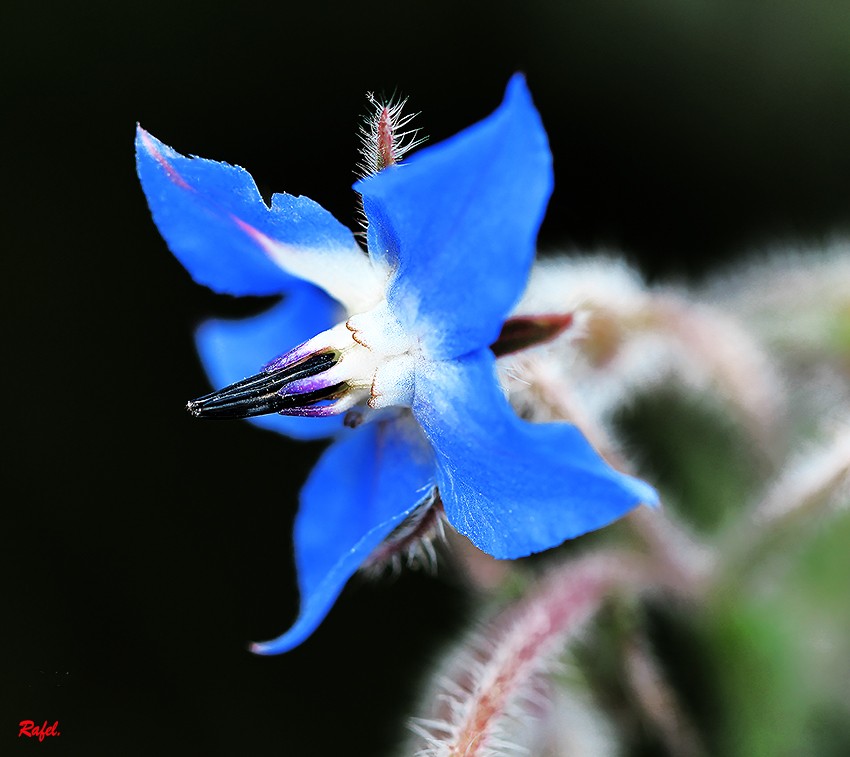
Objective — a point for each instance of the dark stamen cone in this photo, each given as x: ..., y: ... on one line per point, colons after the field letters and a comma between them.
x: 265, y: 392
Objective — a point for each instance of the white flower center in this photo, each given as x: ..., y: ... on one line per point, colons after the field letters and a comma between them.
x: 377, y: 358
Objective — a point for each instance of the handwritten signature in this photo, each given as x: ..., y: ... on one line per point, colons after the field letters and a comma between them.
x: 31, y: 730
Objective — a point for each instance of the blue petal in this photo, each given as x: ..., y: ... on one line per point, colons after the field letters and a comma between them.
x: 364, y: 486
x: 513, y: 487
x: 218, y: 226
x: 460, y: 222
x: 233, y: 350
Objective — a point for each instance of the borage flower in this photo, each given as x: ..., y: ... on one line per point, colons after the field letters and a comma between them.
x: 396, y: 342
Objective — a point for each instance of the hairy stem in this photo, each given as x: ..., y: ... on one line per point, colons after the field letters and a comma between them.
x: 495, y: 674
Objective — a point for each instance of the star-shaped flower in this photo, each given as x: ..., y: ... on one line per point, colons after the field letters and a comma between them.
x: 396, y: 341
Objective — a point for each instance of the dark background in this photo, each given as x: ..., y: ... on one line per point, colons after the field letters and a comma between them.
x: 143, y: 549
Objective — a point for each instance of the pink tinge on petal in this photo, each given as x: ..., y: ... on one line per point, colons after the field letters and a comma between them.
x: 344, y: 272
x: 261, y: 239
x: 161, y: 159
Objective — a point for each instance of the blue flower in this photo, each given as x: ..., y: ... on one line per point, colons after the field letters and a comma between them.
x: 395, y: 341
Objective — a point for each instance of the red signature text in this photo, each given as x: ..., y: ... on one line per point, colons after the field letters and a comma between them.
x: 31, y: 730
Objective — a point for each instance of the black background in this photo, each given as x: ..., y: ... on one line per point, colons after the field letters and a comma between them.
x: 144, y: 550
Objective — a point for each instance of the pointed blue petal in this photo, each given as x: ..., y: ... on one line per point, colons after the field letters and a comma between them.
x: 513, y: 487
x: 232, y: 350
x: 218, y: 226
x: 459, y: 220
x: 364, y: 486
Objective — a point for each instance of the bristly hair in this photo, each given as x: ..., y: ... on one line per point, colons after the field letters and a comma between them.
x: 491, y: 683
x: 412, y: 543
x: 384, y: 138
x: 384, y: 141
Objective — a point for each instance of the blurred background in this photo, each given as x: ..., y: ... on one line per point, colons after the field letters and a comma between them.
x: 144, y: 550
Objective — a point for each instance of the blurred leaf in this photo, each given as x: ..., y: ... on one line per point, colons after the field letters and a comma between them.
x: 692, y: 454
x: 765, y: 695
